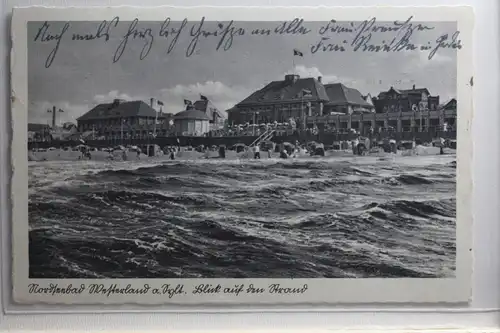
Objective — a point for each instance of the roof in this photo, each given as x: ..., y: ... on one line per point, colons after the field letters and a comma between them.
x: 368, y: 98
x: 37, y: 127
x: 341, y: 95
x: 208, y: 108
x: 120, y: 109
x: 416, y: 91
x: 191, y: 115
x: 287, y: 90
x: 450, y: 104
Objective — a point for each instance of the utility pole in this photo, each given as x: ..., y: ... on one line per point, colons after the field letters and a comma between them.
x: 54, y: 111
x: 254, y: 120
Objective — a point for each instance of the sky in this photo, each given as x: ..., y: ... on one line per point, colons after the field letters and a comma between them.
x: 83, y: 73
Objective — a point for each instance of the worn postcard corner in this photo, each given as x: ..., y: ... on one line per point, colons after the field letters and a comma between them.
x: 239, y: 156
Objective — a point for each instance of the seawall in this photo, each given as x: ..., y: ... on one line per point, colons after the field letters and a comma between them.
x: 325, y: 138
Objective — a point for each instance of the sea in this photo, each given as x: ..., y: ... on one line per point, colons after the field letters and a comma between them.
x: 352, y: 217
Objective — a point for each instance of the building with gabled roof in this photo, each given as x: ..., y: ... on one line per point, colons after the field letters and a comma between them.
x: 126, y: 119
x: 296, y: 98
x: 119, y: 109
x: 405, y: 100
x: 279, y: 101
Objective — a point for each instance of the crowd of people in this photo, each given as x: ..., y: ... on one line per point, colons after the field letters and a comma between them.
x: 280, y: 129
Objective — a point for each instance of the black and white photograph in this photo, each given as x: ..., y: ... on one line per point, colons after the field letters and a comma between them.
x: 242, y: 149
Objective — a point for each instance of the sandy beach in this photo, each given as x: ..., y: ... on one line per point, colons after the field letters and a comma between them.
x: 184, y: 154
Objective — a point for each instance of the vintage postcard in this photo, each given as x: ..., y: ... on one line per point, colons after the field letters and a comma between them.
x: 240, y: 155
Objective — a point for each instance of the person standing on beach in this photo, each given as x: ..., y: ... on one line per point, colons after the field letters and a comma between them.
x: 256, y: 154
x: 82, y: 152
x: 354, y: 146
x: 441, y: 146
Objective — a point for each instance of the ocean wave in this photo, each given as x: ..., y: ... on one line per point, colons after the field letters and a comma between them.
x: 307, y: 218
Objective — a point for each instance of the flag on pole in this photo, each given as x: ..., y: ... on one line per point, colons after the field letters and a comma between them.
x: 297, y: 53
x: 159, y: 103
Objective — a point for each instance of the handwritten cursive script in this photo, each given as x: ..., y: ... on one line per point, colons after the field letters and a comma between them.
x: 444, y: 42
x: 45, y: 35
x: 164, y: 290
x: 133, y: 32
x: 397, y: 36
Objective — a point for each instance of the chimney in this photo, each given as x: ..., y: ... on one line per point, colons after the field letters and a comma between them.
x: 151, y: 101
x: 291, y: 78
x: 319, y: 79
x: 413, y: 87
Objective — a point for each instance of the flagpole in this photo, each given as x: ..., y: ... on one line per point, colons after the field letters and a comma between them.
x: 156, y: 120
x: 302, y: 115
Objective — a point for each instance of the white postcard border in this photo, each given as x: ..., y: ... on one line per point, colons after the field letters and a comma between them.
x: 319, y: 291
